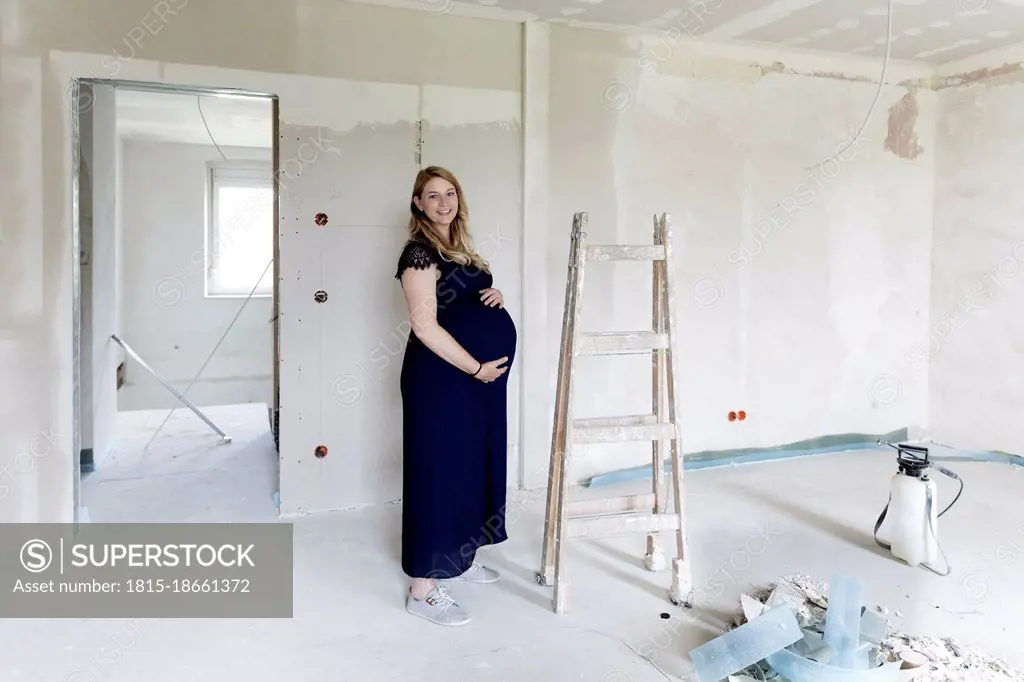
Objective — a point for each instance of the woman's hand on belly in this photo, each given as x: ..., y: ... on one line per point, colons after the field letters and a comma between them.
x: 492, y: 297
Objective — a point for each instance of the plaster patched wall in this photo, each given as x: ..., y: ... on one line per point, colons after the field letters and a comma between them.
x: 334, y: 65
x: 802, y: 262
x: 974, y: 347
x: 803, y: 266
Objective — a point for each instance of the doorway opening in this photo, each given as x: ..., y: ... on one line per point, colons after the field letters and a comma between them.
x: 175, y: 221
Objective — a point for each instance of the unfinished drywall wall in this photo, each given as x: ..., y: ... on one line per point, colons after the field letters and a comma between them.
x: 345, y: 390
x: 802, y: 278
x: 799, y: 276
x: 336, y: 66
x: 167, y: 317
x: 973, y: 344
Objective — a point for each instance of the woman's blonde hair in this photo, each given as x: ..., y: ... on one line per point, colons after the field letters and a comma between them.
x: 459, y: 248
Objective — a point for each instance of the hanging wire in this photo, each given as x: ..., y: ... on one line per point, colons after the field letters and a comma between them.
x: 878, y: 92
x: 199, y: 103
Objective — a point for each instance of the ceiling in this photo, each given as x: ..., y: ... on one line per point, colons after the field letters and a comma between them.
x: 931, y: 31
x: 174, y: 117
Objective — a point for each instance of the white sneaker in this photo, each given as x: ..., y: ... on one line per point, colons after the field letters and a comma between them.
x: 439, y: 607
x: 478, y: 573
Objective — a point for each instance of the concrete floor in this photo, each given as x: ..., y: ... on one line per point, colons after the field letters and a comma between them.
x: 748, y: 525
x: 188, y: 472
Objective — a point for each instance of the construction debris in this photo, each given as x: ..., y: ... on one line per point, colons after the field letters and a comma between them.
x: 744, y: 646
x: 925, y: 659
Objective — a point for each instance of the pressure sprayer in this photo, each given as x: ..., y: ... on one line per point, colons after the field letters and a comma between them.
x: 912, y: 501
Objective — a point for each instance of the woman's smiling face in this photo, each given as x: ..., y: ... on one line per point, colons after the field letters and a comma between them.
x: 439, y: 201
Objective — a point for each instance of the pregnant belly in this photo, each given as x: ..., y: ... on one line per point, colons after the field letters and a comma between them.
x: 486, y: 333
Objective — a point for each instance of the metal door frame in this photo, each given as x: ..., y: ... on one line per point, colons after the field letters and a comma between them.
x: 76, y: 322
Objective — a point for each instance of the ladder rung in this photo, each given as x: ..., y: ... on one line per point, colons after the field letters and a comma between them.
x: 608, y: 343
x: 592, y: 527
x: 628, y: 420
x: 621, y: 429
x: 608, y: 252
x: 611, y: 505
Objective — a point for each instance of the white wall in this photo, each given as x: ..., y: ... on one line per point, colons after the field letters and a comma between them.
x: 334, y: 65
x: 797, y: 281
x: 341, y: 359
x: 791, y: 314
x: 974, y: 344
x: 166, y: 318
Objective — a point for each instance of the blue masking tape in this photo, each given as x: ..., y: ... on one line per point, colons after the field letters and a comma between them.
x: 644, y: 472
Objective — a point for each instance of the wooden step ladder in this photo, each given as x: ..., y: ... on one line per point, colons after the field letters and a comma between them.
x: 599, y: 518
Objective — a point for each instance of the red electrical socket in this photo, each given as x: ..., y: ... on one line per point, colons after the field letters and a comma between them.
x: 741, y: 415
x: 732, y: 416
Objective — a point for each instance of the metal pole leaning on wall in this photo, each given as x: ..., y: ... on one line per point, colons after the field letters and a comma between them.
x: 170, y: 388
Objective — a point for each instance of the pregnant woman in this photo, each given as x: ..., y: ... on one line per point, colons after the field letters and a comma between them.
x: 454, y: 381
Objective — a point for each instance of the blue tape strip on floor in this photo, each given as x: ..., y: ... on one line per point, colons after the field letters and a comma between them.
x: 643, y: 472
x: 994, y: 457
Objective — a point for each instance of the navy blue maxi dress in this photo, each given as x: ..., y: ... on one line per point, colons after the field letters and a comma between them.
x: 454, y: 432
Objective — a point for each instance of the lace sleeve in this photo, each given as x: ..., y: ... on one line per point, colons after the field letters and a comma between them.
x: 417, y: 256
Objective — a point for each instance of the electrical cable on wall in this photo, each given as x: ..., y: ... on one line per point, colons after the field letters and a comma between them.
x: 878, y: 92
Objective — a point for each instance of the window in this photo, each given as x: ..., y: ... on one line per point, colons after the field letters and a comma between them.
x: 240, y: 229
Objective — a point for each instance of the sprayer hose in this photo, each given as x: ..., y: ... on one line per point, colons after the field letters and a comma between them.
x: 958, y: 493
